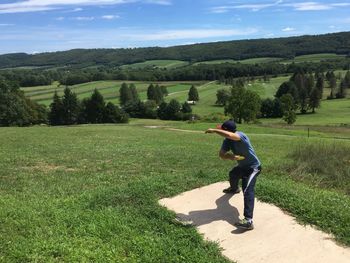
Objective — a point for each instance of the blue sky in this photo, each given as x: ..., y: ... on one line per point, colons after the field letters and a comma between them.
x: 33, y: 26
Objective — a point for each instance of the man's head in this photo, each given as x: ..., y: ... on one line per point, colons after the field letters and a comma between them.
x: 229, y: 125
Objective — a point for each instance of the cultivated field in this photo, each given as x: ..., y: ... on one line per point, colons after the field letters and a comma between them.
x: 168, y: 64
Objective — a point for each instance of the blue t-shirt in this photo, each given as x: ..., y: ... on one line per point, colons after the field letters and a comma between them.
x: 243, y: 148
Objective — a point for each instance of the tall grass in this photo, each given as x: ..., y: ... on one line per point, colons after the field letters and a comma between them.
x: 325, y: 164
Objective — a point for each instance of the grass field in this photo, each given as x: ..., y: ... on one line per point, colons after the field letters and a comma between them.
x: 169, y: 64
x: 244, y: 61
x: 109, y: 89
x: 314, y: 58
x: 89, y: 193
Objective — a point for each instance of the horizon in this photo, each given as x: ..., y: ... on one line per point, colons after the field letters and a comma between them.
x: 33, y: 26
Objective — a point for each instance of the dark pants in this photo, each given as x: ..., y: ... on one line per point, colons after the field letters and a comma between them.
x: 248, y: 176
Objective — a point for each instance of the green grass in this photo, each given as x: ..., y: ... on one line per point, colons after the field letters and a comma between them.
x: 331, y: 113
x: 314, y: 58
x: 259, y: 60
x: 267, y: 89
x: 244, y: 61
x: 219, y: 61
x: 169, y: 64
x: 207, y: 98
x: 89, y: 193
x: 324, y: 164
x: 109, y: 89
x: 298, y: 59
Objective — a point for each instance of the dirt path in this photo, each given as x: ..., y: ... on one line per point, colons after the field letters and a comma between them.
x: 277, y: 237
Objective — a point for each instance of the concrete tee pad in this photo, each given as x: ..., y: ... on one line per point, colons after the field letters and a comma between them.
x: 277, y: 237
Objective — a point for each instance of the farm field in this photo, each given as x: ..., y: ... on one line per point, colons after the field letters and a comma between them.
x: 109, y: 89
x: 297, y: 59
x: 81, y: 193
x: 244, y: 61
x: 168, y: 64
x: 314, y: 58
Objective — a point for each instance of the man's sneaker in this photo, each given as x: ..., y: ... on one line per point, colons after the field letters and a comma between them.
x: 245, y: 224
x: 231, y: 191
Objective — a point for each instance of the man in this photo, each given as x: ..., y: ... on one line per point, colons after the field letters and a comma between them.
x: 248, y: 167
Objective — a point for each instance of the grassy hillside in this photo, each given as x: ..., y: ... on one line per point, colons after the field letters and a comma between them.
x: 168, y: 64
x: 109, y: 89
x: 288, y: 47
x: 298, y: 59
x: 82, y: 194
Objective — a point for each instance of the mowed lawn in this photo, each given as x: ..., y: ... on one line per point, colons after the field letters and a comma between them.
x: 89, y: 193
x: 168, y: 64
x: 207, y: 98
x: 109, y: 89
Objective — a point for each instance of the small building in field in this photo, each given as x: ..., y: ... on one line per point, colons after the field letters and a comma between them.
x: 191, y: 102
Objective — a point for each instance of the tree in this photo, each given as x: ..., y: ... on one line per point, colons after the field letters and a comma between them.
x: 347, y: 79
x: 342, y: 90
x: 193, y: 94
x: 288, y: 107
x: 243, y: 105
x: 151, y: 92
x: 320, y: 86
x: 134, y: 93
x: 309, y: 83
x: 277, y: 108
x: 162, y: 111
x: 155, y: 93
x: 303, y: 99
x: 95, y: 108
x: 332, y: 86
x: 173, y: 109
x: 164, y: 90
x: 287, y: 87
x: 222, y: 96
x: 314, y: 101
x: 70, y: 107
x: 56, y: 110
x: 159, y: 94
x: 113, y: 114
x: 125, y: 94
x: 267, y: 108
x: 186, y: 108
x: 150, y: 109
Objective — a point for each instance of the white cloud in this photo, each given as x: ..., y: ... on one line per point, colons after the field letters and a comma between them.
x: 188, y: 34
x: 60, y: 18
x: 44, y: 5
x: 110, y: 17
x: 300, y: 6
x: 288, y: 29
x: 7, y: 24
x: 84, y: 18
x: 315, y: 6
x: 252, y: 7
x: 159, y: 2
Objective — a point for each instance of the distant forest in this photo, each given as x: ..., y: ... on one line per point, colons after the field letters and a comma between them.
x: 286, y: 48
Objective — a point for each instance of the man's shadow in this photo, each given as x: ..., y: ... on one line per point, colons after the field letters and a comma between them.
x: 224, y: 211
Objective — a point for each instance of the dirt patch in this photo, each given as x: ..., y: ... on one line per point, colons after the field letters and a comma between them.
x: 46, y: 167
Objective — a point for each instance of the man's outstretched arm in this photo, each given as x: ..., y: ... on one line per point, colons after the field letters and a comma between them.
x: 229, y: 135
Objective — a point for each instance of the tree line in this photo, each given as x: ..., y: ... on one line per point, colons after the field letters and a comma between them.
x: 288, y: 47
x: 155, y: 106
x: 224, y: 72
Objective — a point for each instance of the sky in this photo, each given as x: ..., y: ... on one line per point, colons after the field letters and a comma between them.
x: 35, y: 26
